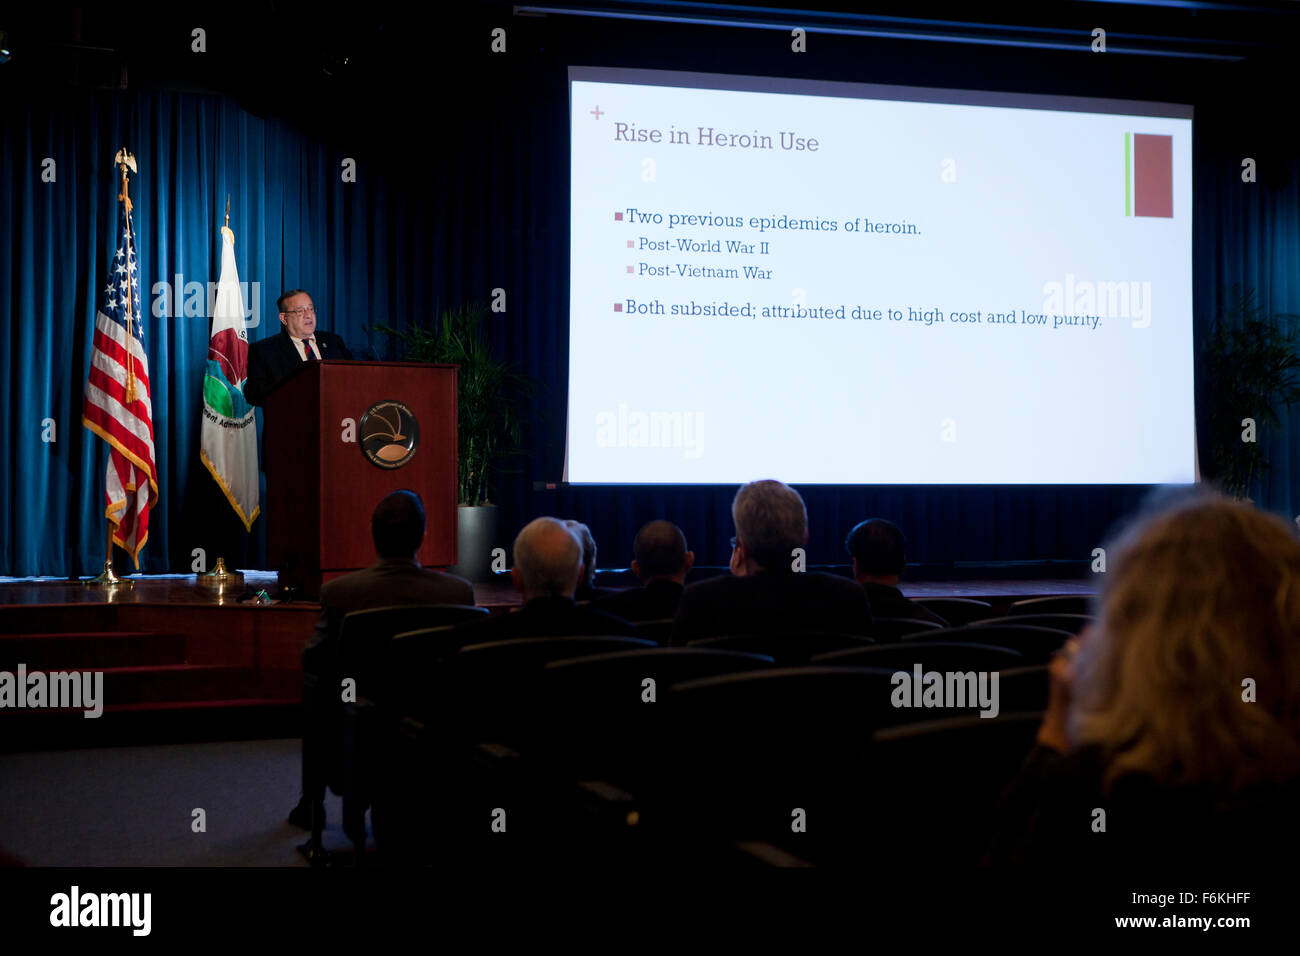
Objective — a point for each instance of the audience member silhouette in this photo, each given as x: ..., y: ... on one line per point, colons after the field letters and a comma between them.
x: 877, y: 548
x: 586, y: 589
x: 765, y: 594
x: 660, y: 562
x: 547, y: 568
x: 1177, y: 715
x: 397, y: 527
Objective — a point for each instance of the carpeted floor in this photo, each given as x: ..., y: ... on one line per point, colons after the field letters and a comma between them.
x: 133, y: 806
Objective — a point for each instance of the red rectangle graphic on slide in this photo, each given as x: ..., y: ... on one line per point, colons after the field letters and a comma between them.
x: 1153, y: 175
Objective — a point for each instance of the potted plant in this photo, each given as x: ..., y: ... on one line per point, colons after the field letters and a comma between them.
x: 1250, y: 370
x: 488, y: 423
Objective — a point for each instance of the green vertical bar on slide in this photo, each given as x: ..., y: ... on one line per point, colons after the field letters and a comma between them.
x: 1128, y: 176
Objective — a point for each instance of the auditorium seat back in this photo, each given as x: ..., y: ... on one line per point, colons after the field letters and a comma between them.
x: 417, y: 666
x: 1035, y: 644
x: 523, y: 655
x: 888, y: 629
x: 931, y: 655
x: 658, y: 631
x: 937, y: 786
x: 1070, y: 623
x: 744, y: 752
x: 787, y: 649
x: 496, y: 686
x: 1056, y: 604
x: 1024, y: 689
x: 603, y: 710
x: 615, y: 678
x: 956, y: 611
x: 365, y: 637
x: 467, y: 713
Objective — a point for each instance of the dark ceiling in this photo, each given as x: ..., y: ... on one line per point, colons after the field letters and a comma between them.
x: 387, y: 65
x: 93, y: 44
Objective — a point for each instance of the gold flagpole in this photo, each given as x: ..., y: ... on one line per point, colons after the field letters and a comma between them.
x: 108, y: 578
x: 125, y: 159
x: 219, y: 578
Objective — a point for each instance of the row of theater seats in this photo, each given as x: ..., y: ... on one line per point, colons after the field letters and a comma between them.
x: 776, y: 748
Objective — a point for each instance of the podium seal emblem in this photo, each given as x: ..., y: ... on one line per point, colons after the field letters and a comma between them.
x: 389, y: 434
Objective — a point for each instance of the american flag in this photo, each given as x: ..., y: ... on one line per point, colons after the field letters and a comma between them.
x: 117, y: 407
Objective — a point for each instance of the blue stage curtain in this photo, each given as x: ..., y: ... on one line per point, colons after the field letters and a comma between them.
x: 1248, y: 240
x: 296, y: 224
x: 417, y: 231
x: 421, y: 230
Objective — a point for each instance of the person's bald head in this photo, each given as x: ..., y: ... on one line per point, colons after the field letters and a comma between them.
x: 548, y: 559
x: 659, y: 551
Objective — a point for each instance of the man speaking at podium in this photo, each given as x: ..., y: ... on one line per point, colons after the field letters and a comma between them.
x: 272, y: 359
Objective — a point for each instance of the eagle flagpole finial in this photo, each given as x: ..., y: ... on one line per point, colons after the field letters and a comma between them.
x: 124, y: 162
x: 226, y: 230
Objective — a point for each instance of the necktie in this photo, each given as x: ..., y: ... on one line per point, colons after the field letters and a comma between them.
x: 306, y: 349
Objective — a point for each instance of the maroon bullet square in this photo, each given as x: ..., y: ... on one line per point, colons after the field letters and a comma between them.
x: 1153, y: 175
x: 629, y: 268
x: 618, y: 306
x: 618, y: 217
x: 629, y: 243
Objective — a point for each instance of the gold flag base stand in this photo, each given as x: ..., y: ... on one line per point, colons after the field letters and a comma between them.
x: 219, y: 578
x: 108, y: 579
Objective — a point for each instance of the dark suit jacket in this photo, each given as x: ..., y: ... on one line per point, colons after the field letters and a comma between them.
x: 388, y: 581
x: 585, y: 593
x: 654, y: 602
x: 771, y: 602
x: 272, y: 359
x: 543, y: 617
x: 886, y: 601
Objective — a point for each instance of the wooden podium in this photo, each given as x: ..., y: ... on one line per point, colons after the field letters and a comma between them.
x: 322, y: 485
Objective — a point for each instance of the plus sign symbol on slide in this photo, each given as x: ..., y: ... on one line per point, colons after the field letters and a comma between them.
x: 597, y: 112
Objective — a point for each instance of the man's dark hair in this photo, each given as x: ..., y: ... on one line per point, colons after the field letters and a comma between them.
x: 398, y: 525
x: 877, y: 545
x: 286, y: 296
x: 660, y: 549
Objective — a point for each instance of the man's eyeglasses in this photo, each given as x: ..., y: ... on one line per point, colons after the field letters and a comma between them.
x: 301, y: 312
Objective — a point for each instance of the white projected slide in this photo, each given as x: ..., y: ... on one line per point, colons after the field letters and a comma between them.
x: 830, y: 283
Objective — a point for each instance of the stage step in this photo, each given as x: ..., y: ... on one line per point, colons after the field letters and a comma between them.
x: 169, y: 703
x: 167, y: 683
x: 177, y: 664
x: 140, y: 724
x: 84, y: 649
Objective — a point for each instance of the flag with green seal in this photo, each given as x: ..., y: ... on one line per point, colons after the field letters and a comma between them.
x: 228, y: 443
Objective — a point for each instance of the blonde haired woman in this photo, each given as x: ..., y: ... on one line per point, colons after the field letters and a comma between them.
x: 1171, y: 742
